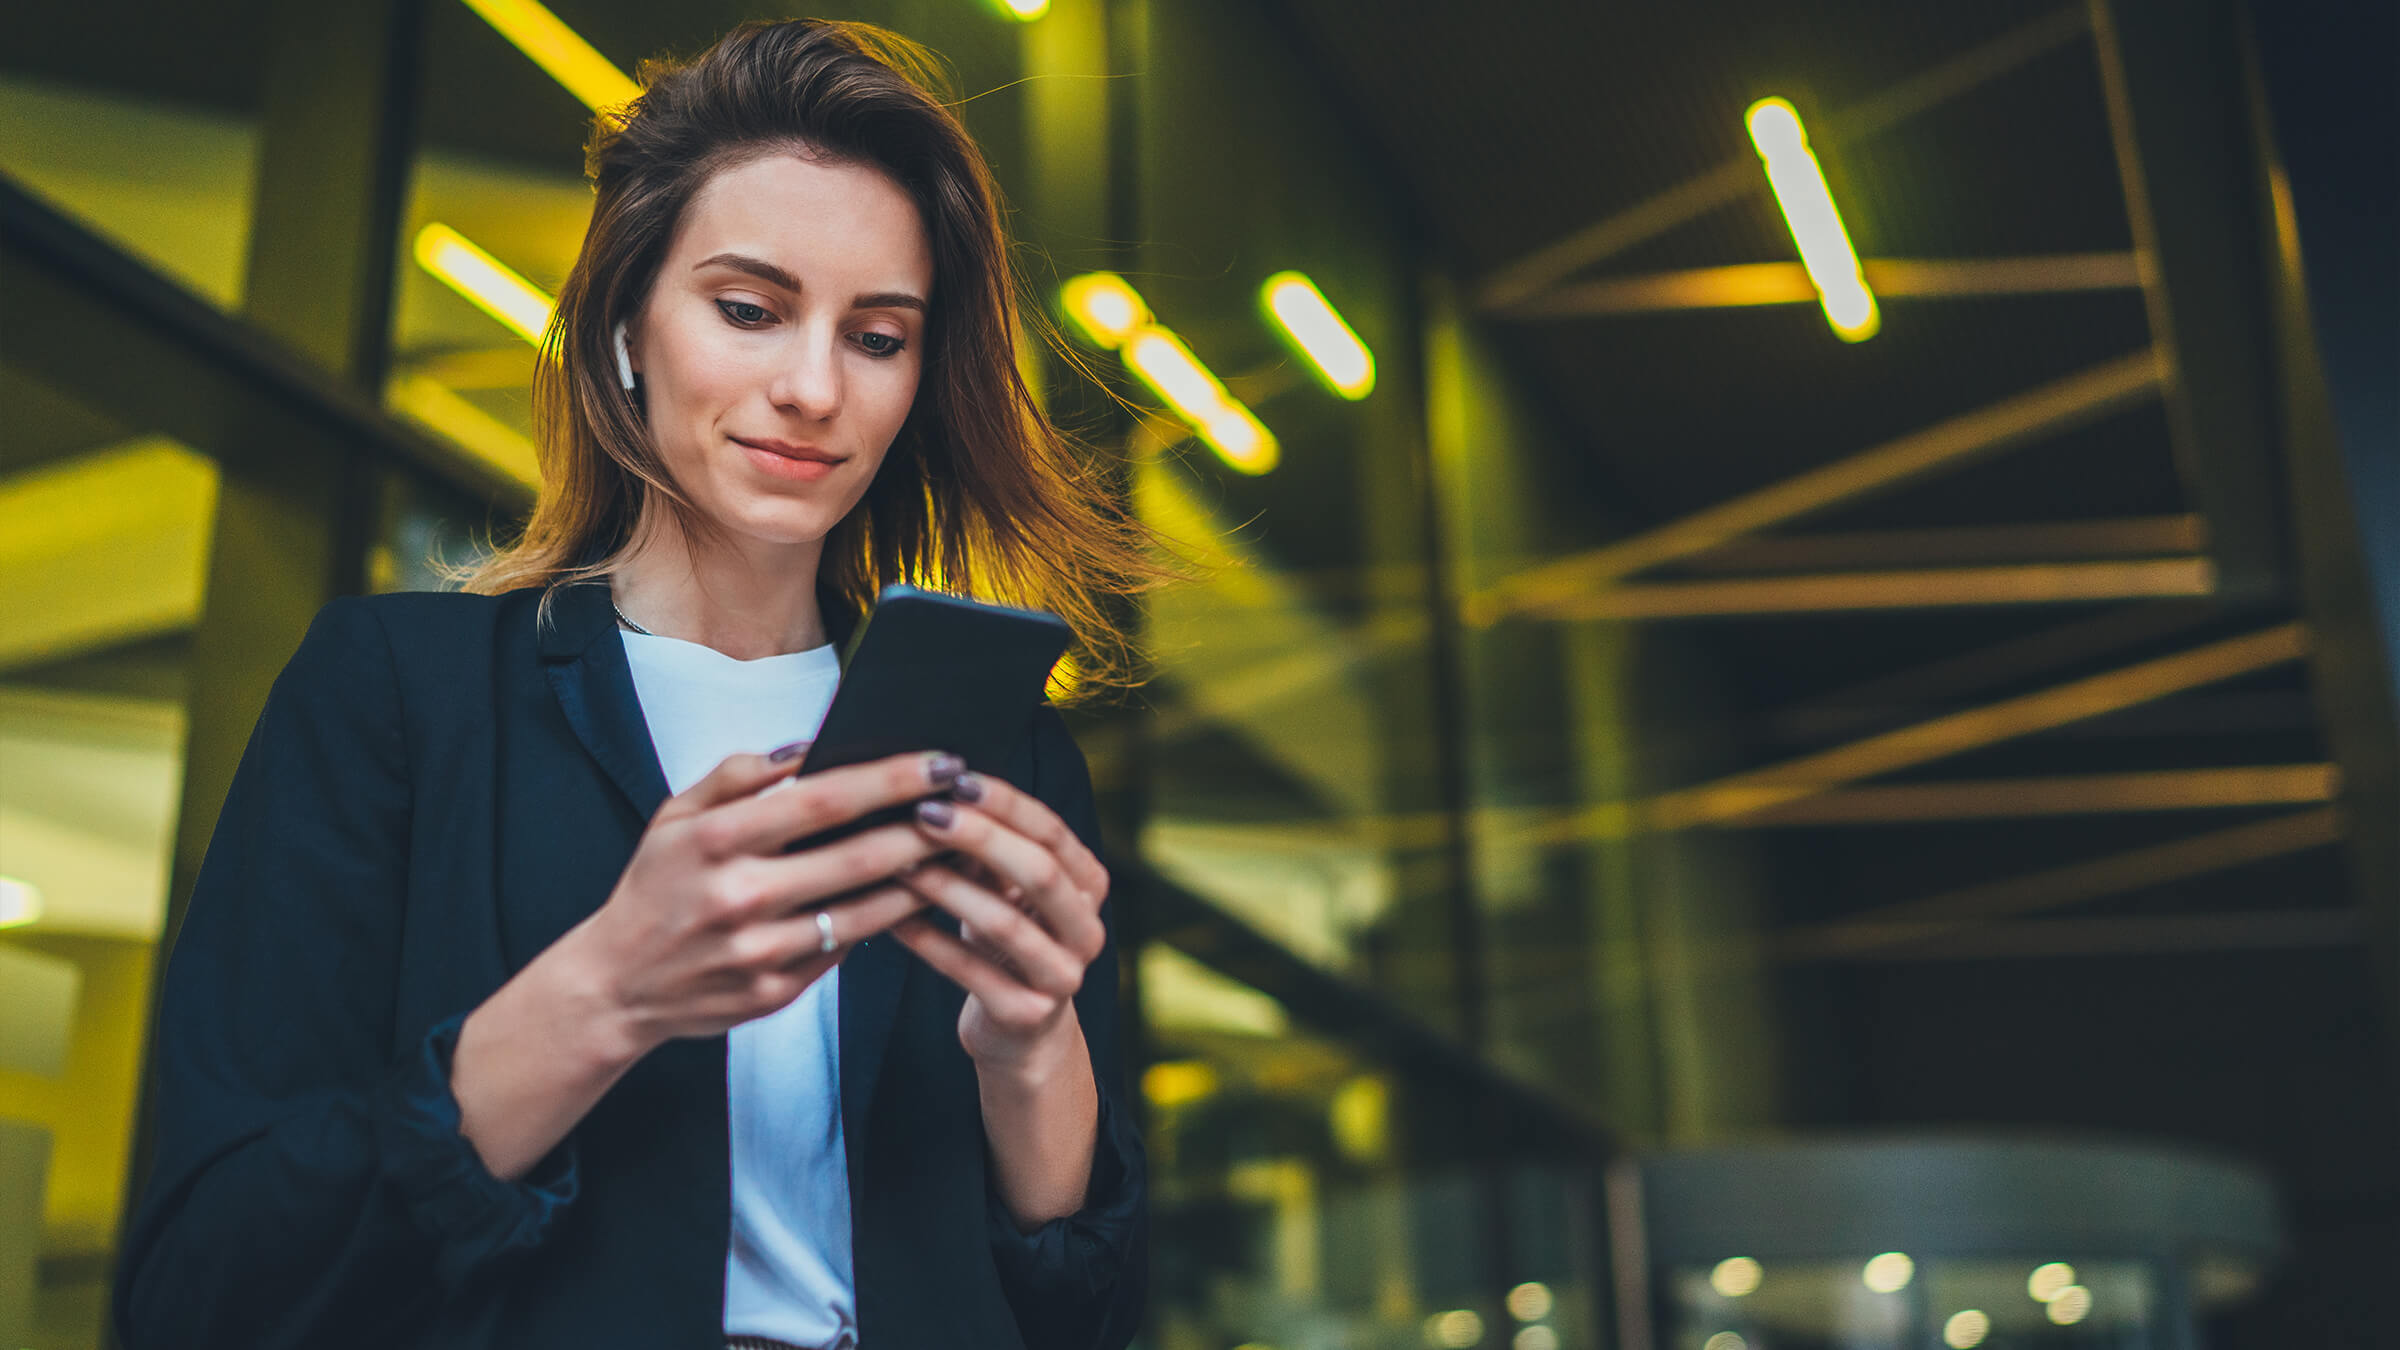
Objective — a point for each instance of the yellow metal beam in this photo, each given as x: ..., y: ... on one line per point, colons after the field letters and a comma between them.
x: 1732, y: 798
x: 1936, y: 916
x: 1736, y: 178
x: 1955, y: 546
x: 1735, y: 798
x: 1745, y: 285
x: 2082, y: 795
x: 1933, y: 588
x: 2044, y: 411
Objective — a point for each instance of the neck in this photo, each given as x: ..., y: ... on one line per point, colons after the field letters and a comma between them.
x: 747, y: 598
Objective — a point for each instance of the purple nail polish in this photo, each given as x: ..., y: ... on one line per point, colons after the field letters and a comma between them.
x: 968, y: 788
x: 785, y: 753
x: 944, y: 769
x: 938, y: 814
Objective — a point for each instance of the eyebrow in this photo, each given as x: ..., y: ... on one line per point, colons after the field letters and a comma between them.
x: 776, y: 276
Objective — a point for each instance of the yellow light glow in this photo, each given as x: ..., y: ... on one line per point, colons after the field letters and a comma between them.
x: 1799, y: 183
x: 2072, y: 1305
x: 1530, y: 1301
x: 1454, y: 1330
x: 489, y: 283
x: 1534, y: 1338
x: 1025, y: 11
x: 1966, y: 1330
x: 1315, y: 329
x: 2046, y: 1281
x: 1889, y: 1273
x: 559, y: 50
x: 1180, y: 1082
x: 1104, y: 307
x: 1736, y: 1276
x: 1726, y: 1340
x: 20, y: 903
x: 1178, y: 378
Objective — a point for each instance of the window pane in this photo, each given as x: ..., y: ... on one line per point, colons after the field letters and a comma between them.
x: 141, y: 120
x: 105, y: 530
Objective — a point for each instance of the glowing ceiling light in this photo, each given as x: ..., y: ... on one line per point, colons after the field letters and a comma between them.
x: 1178, y: 378
x: 1966, y: 1330
x: 20, y: 903
x: 2072, y: 1305
x: 1531, y: 1301
x: 1025, y: 11
x: 1799, y: 183
x: 1888, y: 1273
x: 1104, y: 307
x: 1454, y: 1330
x: 2047, y: 1280
x: 488, y: 282
x: 1736, y: 1276
x: 558, y: 50
x: 1313, y: 327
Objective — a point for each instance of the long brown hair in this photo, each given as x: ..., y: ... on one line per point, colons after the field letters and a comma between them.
x: 979, y: 493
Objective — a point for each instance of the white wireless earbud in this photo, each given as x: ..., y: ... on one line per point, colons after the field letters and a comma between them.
x: 624, y: 359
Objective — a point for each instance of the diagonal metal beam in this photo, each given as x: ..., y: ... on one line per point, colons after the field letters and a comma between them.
x: 1931, y: 588
x: 2079, y: 795
x: 1730, y: 799
x: 1734, y: 798
x: 1857, y: 708
x: 1513, y: 284
x: 1935, y: 916
x: 2173, y: 75
x: 1786, y: 283
x: 1956, y: 546
x: 2044, y: 411
x: 2132, y: 935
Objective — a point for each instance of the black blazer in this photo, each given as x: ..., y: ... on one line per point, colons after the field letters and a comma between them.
x: 435, y: 793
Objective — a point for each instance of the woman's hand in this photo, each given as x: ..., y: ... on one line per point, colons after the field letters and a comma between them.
x: 712, y: 924
x: 1027, y: 895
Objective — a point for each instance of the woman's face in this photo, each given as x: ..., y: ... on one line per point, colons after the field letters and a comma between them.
x: 780, y: 345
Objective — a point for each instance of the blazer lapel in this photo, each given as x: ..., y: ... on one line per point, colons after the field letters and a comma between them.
x: 585, y: 661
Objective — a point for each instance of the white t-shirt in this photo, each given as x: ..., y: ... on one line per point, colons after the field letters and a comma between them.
x: 787, y: 1265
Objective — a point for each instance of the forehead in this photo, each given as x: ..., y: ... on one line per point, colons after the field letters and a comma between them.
x: 825, y: 221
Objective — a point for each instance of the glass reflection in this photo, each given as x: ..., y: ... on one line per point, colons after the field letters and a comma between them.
x: 104, y: 542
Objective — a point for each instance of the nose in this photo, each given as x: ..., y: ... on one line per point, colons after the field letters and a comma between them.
x: 808, y: 380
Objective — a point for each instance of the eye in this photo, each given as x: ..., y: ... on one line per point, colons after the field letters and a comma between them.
x: 743, y: 313
x: 881, y: 344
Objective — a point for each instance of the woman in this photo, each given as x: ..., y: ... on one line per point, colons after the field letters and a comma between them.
x: 499, y: 1017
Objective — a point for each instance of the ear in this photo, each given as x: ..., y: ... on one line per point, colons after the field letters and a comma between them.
x: 624, y: 359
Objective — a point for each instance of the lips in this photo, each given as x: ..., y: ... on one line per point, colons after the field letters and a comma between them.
x: 785, y: 460
x: 792, y: 450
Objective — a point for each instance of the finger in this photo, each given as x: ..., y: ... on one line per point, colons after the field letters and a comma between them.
x: 735, y: 777
x: 1007, y: 931
x: 794, y: 941
x: 1028, y: 815
x: 1068, y: 911
x: 1007, y: 999
x: 780, y: 885
x: 764, y: 823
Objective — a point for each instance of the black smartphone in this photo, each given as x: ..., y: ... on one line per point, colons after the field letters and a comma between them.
x: 928, y: 671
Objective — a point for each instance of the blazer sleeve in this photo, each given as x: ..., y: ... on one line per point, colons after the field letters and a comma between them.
x: 1078, y: 1282
x: 308, y: 1188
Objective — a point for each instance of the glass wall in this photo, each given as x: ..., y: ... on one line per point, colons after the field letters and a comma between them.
x: 1459, y: 982
x: 142, y: 121
x: 104, y: 538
